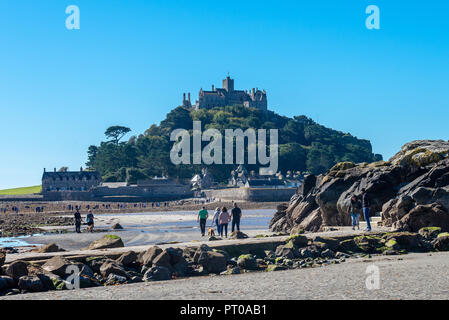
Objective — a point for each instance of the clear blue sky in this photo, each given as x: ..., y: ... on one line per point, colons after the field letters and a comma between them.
x: 131, y: 61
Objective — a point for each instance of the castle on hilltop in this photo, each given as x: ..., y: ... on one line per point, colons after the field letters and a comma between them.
x: 227, y: 96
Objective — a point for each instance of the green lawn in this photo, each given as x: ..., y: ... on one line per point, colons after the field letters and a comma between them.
x: 18, y: 191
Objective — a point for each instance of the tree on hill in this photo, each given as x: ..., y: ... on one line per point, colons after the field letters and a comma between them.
x: 116, y: 133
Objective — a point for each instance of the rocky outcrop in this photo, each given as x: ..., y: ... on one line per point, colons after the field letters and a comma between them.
x: 411, y: 190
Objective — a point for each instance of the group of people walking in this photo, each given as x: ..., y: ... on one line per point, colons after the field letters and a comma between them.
x: 221, y: 219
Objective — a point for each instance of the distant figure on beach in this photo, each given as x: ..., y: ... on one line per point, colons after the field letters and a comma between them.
x: 215, y: 219
x: 202, y: 218
x: 236, y: 215
x: 90, y: 221
x: 223, y: 219
x: 366, y: 207
x: 354, y: 211
x: 77, y: 221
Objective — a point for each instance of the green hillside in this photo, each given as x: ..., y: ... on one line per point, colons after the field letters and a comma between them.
x: 304, y: 145
x: 19, y: 191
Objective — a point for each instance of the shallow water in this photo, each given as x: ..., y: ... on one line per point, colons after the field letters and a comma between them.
x: 15, y: 242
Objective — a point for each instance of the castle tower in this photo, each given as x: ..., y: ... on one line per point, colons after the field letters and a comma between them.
x: 186, y: 102
x: 228, y: 84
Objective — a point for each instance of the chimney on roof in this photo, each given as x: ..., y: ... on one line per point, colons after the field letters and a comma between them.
x: 213, y: 88
x: 81, y: 169
x: 189, y: 97
x: 55, y: 170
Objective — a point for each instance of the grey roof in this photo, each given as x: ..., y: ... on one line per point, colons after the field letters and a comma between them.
x: 69, y: 174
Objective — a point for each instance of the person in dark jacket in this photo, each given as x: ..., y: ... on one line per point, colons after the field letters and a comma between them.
x: 236, y: 216
x: 366, y: 204
x: 77, y: 221
x: 354, y: 210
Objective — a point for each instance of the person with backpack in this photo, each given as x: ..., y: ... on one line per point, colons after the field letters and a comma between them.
x: 90, y: 221
x: 366, y: 204
x: 354, y: 211
x: 202, y: 219
x: 77, y: 221
x: 236, y: 215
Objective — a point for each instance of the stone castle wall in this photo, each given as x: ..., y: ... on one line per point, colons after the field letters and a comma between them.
x: 252, y: 194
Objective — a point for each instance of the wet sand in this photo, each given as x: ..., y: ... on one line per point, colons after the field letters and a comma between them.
x: 150, y: 228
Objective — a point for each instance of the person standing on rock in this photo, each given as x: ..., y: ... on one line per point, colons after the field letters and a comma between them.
x: 77, y: 221
x: 354, y: 211
x: 236, y: 215
x: 202, y: 219
x: 366, y: 206
x: 223, y: 219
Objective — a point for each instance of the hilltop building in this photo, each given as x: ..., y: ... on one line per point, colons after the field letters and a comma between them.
x: 228, y: 96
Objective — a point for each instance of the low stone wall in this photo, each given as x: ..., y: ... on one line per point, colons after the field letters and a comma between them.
x: 21, y: 197
x: 252, y: 194
x: 124, y: 194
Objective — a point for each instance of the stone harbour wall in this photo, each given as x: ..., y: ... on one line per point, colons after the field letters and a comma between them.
x: 252, y: 194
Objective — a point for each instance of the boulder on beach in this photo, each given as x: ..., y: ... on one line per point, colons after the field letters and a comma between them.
x: 57, y: 265
x: 106, y: 242
x: 31, y: 284
x: 148, y: 256
x: 411, y: 190
x: 112, y: 267
x: 51, y: 247
x: 247, y: 261
x: 157, y: 273
x: 212, y: 261
x: 17, y: 269
x: 117, y: 226
x: 238, y: 235
x: 128, y: 258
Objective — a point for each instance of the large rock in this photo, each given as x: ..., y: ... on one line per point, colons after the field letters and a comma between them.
x: 57, y: 265
x: 247, y: 261
x: 149, y: 255
x: 127, y: 259
x: 431, y: 215
x: 157, y: 273
x: 406, y: 240
x: 441, y: 243
x: 288, y: 250
x: 238, y: 235
x: 31, y: 284
x: 6, y: 282
x: 113, y: 267
x: 105, y: 242
x: 52, y: 247
x: 405, y: 189
x: 17, y: 269
x: 214, y: 262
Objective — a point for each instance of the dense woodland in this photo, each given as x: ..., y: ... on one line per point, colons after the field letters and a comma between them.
x: 304, y: 145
